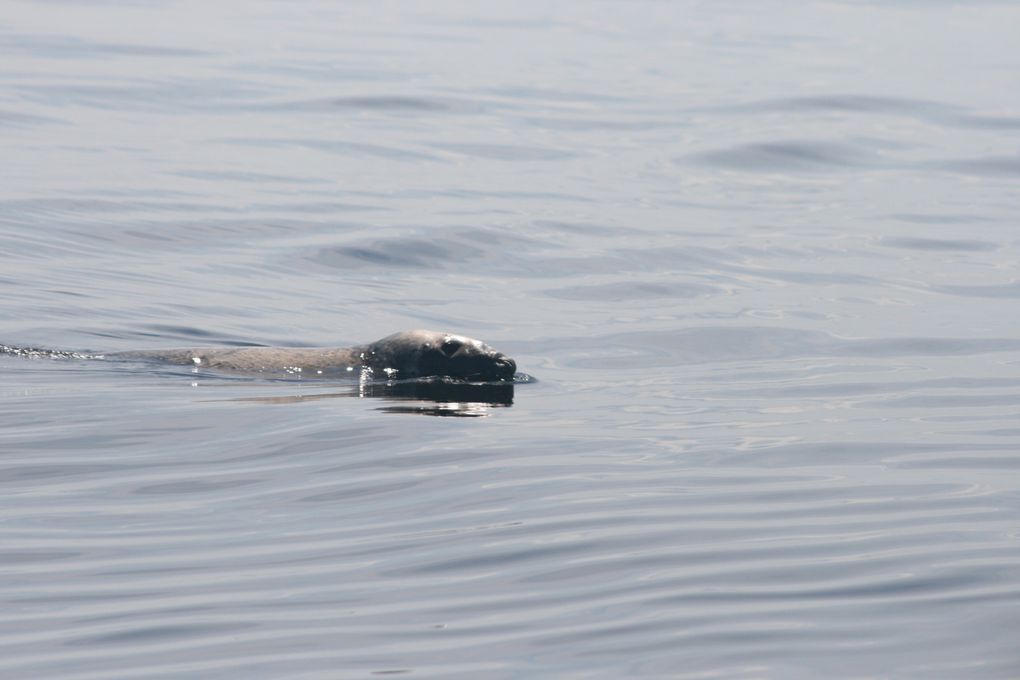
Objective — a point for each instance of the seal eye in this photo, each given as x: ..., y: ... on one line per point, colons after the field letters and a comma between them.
x: 450, y: 346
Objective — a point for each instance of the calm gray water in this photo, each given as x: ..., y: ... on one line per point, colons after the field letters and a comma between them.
x: 761, y: 257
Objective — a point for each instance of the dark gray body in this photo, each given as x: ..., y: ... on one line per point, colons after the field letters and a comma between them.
x: 409, y: 354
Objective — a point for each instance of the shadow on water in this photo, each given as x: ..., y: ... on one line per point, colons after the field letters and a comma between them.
x: 429, y: 397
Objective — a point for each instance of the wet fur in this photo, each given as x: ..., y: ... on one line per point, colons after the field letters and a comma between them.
x: 409, y: 354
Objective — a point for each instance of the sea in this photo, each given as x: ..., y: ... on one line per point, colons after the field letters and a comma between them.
x: 758, y: 264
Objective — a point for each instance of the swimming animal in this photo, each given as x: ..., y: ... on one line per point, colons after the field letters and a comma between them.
x: 409, y: 354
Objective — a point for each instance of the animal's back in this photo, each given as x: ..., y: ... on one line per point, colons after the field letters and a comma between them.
x: 252, y: 359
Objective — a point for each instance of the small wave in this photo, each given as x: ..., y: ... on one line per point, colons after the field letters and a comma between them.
x: 939, y: 244
x: 790, y: 156
x: 988, y: 166
x: 933, y: 112
x: 508, y: 152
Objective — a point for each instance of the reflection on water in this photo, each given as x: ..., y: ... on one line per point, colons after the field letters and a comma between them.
x: 424, y: 397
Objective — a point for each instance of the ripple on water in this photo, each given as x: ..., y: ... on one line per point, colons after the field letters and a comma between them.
x: 792, y: 156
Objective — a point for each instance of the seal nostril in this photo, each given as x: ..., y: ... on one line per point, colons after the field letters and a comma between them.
x: 506, y: 366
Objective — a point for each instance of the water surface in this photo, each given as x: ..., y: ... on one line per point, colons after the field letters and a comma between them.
x: 761, y: 257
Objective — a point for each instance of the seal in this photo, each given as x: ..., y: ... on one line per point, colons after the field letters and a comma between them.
x: 408, y: 354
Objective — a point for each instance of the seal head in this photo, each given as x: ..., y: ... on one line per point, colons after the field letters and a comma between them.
x: 429, y: 353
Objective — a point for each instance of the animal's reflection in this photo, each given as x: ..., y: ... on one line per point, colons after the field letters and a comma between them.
x: 421, y: 397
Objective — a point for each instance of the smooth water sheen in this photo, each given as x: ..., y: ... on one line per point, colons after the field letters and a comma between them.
x: 761, y: 258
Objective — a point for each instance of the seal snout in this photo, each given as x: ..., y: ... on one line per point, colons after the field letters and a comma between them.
x: 505, y: 366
